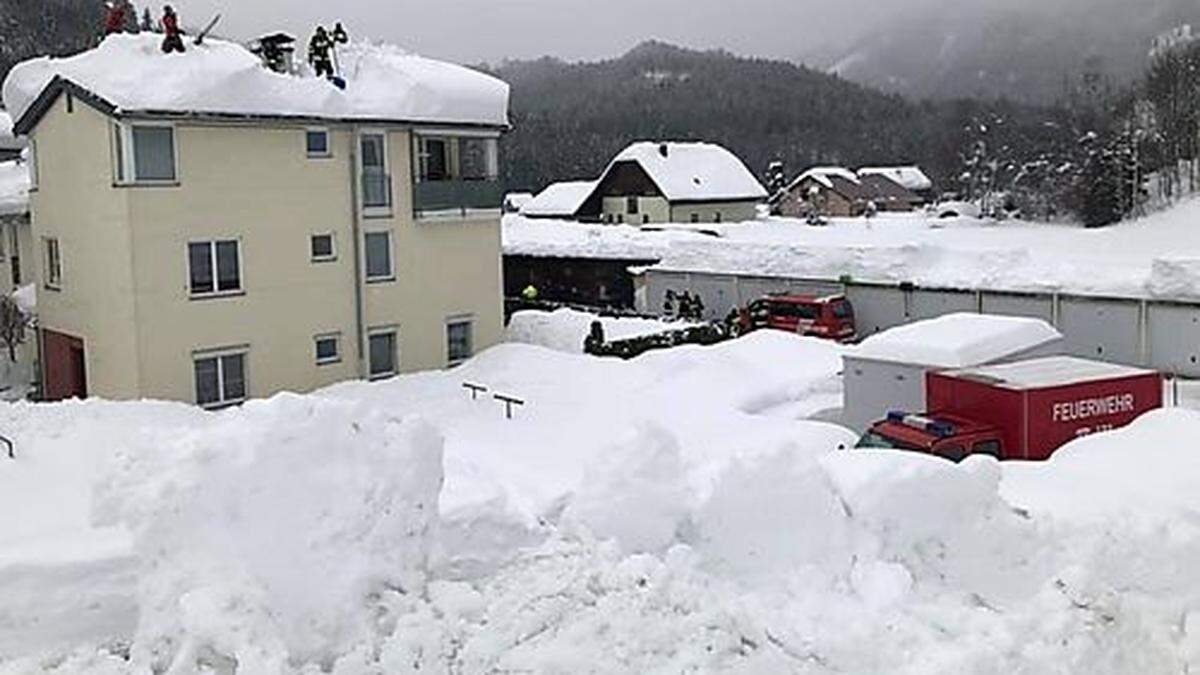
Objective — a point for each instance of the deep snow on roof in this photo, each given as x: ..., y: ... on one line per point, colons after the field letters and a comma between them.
x: 1054, y: 371
x: 559, y: 200
x: 693, y: 171
x: 385, y: 83
x: 911, y: 177
x: 958, y: 340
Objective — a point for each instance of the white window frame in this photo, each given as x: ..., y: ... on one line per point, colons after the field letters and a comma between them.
x: 218, y: 355
x: 391, y: 248
x: 33, y: 164
x: 469, y: 320
x: 124, y: 163
x: 337, y: 342
x: 212, y: 252
x: 52, y: 277
x: 328, y: 143
x: 376, y: 211
x: 333, y: 248
x: 394, y: 331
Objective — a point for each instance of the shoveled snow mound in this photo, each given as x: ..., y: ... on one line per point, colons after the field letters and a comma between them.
x: 565, y: 330
x: 674, y: 530
x: 958, y: 340
x: 132, y: 73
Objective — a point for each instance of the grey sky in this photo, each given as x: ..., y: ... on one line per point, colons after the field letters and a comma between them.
x: 490, y: 30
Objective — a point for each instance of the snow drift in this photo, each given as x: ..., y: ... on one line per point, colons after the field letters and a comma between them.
x: 384, y: 83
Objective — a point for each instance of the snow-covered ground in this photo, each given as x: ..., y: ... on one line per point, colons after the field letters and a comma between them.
x: 649, y: 516
x: 1158, y: 255
x: 565, y: 330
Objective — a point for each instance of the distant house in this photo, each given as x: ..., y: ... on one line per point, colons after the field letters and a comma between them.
x: 888, y: 195
x: 560, y: 201
x: 674, y: 183
x: 912, y: 178
x: 839, y: 191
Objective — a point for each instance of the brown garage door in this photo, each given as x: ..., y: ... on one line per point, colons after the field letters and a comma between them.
x: 64, y: 367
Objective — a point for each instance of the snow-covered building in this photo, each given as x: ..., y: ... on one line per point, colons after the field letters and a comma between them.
x: 887, y: 371
x: 652, y: 182
x: 836, y: 191
x: 514, y: 201
x: 210, y: 231
x: 559, y: 201
x: 912, y: 178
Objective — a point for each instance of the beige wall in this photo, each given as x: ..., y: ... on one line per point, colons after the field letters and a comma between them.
x: 731, y: 212
x: 126, y: 269
x: 76, y: 203
x: 656, y: 207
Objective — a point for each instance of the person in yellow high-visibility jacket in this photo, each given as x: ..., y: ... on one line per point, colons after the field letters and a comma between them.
x: 530, y: 294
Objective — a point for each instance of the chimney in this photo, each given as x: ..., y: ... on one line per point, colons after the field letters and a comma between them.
x: 663, y: 149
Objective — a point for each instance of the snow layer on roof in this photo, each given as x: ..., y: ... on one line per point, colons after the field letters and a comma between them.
x: 1052, y: 371
x: 694, y: 171
x: 560, y: 200
x: 958, y: 340
x: 385, y: 83
x: 911, y: 177
x: 14, y: 188
x: 823, y: 174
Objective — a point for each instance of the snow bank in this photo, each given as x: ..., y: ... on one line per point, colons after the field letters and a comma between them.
x: 958, y: 340
x: 664, y: 525
x: 565, y: 330
x: 1130, y: 259
x: 132, y: 73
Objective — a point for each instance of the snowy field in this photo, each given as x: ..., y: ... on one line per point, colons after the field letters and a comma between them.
x: 1157, y: 256
x: 653, y: 516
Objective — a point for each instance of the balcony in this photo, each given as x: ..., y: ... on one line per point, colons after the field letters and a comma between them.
x: 456, y: 197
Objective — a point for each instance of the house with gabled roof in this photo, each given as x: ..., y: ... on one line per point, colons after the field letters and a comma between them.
x: 209, y: 231
x: 670, y: 182
x: 837, y: 191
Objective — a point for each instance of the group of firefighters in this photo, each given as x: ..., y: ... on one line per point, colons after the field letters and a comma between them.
x: 122, y: 17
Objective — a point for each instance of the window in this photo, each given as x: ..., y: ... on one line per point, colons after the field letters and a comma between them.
x: 220, y: 379
x: 478, y: 158
x: 645, y: 218
x: 321, y: 248
x: 376, y: 184
x: 433, y: 160
x: 53, y: 270
x: 328, y: 348
x: 695, y: 217
x: 15, y: 255
x: 620, y: 218
x: 33, y: 164
x: 631, y: 205
x: 316, y: 143
x: 153, y: 153
x: 379, y: 256
x: 460, y: 343
x: 382, y: 352
x: 215, y: 267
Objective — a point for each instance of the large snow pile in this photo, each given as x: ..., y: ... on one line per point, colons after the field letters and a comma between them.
x: 565, y: 330
x: 958, y: 340
x: 640, y: 516
x: 1153, y: 256
x: 132, y: 73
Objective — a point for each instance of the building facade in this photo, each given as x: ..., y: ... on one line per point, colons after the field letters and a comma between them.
x: 212, y: 259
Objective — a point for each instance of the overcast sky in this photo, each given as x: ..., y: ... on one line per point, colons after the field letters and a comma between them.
x: 491, y: 30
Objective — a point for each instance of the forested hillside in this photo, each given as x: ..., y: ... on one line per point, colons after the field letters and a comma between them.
x: 35, y: 27
x: 569, y: 119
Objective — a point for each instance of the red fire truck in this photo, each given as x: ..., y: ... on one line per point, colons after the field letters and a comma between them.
x: 830, y: 317
x: 1023, y: 410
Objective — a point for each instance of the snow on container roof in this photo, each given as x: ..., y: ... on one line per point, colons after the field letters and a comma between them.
x: 911, y: 177
x: 957, y: 340
x: 1053, y: 371
x: 559, y: 200
x: 696, y: 172
x: 131, y: 73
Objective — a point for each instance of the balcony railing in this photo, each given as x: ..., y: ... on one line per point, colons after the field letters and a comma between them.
x: 448, y: 196
x: 377, y: 190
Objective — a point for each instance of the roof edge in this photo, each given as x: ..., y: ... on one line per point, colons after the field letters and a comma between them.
x: 49, y: 96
